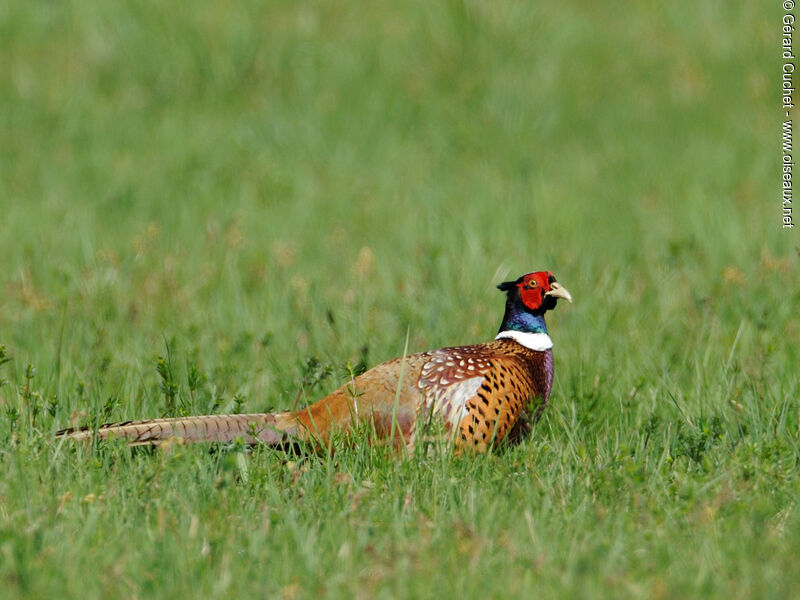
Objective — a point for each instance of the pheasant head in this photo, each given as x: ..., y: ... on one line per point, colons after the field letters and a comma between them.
x: 527, y: 299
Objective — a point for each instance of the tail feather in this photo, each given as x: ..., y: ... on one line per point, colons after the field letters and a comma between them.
x: 273, y: 429
x: 372, y: 397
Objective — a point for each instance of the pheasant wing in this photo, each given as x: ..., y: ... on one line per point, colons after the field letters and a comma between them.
x: 479, y: 394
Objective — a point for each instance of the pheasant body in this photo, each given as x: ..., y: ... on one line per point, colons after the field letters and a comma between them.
x: 483, y: 393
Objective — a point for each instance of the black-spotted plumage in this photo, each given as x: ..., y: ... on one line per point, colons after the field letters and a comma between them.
x: 482, y: 391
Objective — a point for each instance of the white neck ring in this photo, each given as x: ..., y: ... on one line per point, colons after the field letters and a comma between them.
x: 533, y: 341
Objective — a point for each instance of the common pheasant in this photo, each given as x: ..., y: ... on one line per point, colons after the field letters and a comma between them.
x: 483, y: 394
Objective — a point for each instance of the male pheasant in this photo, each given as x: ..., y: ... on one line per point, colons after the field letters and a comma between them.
x: 484, y: 393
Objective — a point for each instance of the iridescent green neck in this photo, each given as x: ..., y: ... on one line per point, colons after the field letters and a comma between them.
x: 518, y: 318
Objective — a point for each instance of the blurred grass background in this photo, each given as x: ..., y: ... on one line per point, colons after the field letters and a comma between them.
x: 251, y: 189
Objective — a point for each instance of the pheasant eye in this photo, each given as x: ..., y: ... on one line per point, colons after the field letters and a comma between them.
x: 532, y: 283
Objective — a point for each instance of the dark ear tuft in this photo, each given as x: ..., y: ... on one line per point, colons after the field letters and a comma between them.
x: 507, y: 285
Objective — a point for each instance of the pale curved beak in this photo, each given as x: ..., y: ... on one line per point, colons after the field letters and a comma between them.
x: 559, y: 291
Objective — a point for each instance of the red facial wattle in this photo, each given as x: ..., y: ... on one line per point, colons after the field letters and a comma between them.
x: 533, y: 288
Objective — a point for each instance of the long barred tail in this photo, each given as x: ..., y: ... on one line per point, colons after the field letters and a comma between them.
x: 273, y: 429
x: 375, y: 402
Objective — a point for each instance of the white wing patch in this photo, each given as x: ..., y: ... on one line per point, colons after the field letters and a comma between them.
x: 450, y: 378
x: 450, y: 400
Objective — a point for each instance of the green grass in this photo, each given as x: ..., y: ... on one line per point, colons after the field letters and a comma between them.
x: 262, y: 193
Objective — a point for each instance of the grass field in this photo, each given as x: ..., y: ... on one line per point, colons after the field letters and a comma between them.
x: 214, y: 207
